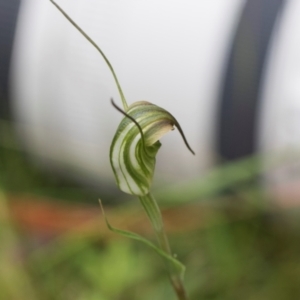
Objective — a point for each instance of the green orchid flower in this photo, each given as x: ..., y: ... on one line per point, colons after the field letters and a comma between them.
x: 132, y: 157
x: 135, y: 145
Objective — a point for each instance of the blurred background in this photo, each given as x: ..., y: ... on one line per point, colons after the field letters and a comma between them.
x: 229, y: 71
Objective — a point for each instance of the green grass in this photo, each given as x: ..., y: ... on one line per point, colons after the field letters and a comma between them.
x: 237, y: 248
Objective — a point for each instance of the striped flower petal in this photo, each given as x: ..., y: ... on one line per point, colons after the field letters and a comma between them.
x: 135, y: 144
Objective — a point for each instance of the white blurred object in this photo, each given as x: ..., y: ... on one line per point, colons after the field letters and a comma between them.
x: 169, y: 53
x: 279, y: 126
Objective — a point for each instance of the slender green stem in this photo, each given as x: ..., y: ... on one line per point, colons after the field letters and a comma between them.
x: 150, y: 205
x: 125, y: 105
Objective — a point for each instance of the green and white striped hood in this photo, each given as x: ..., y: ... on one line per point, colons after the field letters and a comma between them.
x: 135, y: 144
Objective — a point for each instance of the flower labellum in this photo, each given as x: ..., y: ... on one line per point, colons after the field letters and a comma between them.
x: 135, y: 144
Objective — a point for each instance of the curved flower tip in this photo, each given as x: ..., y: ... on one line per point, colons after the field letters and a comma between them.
x: 135, y: 144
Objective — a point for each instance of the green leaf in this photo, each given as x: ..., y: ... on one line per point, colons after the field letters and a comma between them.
x: 178, y: 266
